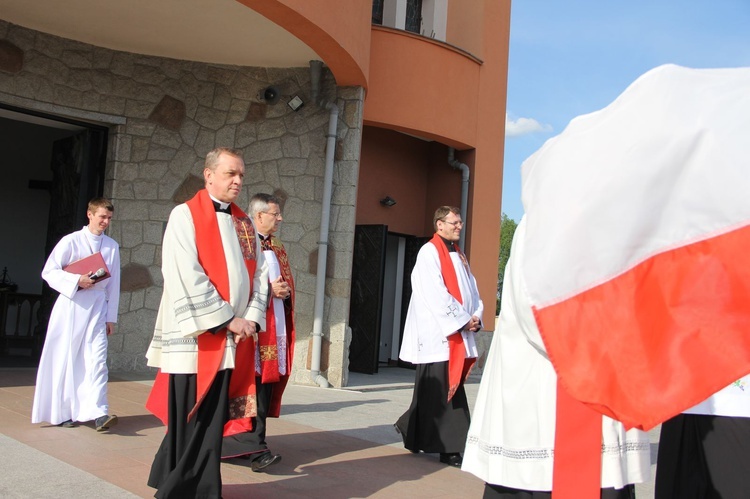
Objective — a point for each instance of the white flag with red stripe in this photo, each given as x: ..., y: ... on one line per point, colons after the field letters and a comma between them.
x: 637, y: 244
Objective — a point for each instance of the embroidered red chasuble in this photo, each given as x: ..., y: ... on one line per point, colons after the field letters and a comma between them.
x: 267, y: 346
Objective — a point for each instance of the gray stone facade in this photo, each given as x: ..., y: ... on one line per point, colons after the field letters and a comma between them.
x: 163, y: 116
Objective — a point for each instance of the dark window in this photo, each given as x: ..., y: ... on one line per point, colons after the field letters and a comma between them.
x: 414, y: 16
x: 377, y: 12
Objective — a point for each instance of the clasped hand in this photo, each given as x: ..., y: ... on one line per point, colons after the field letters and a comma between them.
x: 474, y: 324
x: 280, y: 289
x: 242, y: 329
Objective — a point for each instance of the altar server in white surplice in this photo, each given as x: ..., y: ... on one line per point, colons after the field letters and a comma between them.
x: 71, y: 383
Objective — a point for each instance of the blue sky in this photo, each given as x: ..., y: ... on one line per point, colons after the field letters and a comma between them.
x: 574, y: 57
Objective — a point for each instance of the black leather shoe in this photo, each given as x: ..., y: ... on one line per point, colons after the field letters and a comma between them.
x: 68, y: 424
x: 105, y: 422
x: 264, y: 461
x: 453, y: 459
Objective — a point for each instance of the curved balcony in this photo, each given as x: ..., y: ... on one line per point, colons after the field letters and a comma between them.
x: 338, y: 31
x: 423, y: 87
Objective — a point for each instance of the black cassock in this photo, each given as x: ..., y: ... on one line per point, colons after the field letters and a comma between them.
x: 432, y: 424
x: 188, y: 462
x: 703, y: 457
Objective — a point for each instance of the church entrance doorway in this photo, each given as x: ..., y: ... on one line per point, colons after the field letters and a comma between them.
x: 380, y: 294
x: 51, y: 167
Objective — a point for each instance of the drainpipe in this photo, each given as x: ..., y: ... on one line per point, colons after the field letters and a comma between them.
x: 325, y: 217
x: 457, y: 165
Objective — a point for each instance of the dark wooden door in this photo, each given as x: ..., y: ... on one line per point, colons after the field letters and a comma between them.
x: 366, y: 297
x: 78, y: 165
x: 77, y: 168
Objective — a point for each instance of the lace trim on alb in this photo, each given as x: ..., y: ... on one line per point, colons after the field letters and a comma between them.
x: 539, y: 454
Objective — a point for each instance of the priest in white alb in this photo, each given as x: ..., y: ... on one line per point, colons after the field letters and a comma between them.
x: 71, y: 383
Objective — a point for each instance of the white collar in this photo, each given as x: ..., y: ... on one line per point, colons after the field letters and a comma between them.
x: 222, y: 205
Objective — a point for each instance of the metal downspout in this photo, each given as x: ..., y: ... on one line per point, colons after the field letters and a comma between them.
x: 457, y: 165
x: 325, y: 217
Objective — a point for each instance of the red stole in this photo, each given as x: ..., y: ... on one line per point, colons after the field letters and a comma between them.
x: 459, y: 365
x: 211, y: 347
x: 577, y: 465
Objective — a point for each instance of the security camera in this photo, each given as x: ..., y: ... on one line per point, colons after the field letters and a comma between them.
x: 271, y: 95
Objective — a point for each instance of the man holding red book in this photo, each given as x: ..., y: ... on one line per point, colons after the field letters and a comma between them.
x: 71, y: 383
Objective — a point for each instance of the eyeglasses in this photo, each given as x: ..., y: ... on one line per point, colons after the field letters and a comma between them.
x: 274, y: 215
x: 457, y: 223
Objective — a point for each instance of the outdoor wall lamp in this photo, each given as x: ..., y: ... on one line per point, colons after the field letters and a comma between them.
x: 295, y: 103
x: 388, y: 201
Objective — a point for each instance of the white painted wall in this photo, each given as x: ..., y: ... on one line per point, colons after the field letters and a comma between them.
x: 394, y: 13
x: 435, y: 18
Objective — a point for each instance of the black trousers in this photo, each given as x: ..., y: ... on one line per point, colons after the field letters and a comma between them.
x: 188, y: 462
x: 500, y: 492
x: 703, y: 457
x: 254, y: 441
x: 432, y: 424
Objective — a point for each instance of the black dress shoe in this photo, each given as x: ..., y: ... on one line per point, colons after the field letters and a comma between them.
x: 264, y: 461
x: 453, y: 459
x: 104, y: 423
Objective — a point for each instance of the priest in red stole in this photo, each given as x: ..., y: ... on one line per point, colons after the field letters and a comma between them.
x: 213, y: 303
x: 444, y: 312
x: 272, y: 359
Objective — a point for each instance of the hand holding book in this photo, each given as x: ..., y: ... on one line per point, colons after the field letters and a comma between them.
x: 92, y: 269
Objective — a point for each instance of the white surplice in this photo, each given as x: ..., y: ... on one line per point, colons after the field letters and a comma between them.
x: 434, y: 314
x: 190, y: 303
x: 71, y: 381
x: 512, y: 433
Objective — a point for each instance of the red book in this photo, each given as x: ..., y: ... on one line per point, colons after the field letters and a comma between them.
x: 92, y: 264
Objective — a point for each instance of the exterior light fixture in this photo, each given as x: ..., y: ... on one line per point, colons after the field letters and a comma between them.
x: 388, y: 201
x: 296, y: 103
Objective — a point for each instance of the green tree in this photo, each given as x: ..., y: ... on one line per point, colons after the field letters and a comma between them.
x: 507, y: 229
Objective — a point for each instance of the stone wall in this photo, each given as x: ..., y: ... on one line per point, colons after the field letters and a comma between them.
x: 164, y: 115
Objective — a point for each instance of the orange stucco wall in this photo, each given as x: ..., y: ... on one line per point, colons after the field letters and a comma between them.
x: 451, y: 93
x: 461, y: 30
x: 337, y: 30
x: 487, y: 178
x: 435, y: 91
x: 423, y: 87
x: 413, y: 172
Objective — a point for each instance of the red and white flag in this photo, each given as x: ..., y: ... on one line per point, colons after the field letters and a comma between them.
x: 637, y: 245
